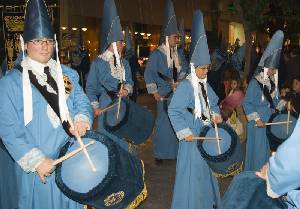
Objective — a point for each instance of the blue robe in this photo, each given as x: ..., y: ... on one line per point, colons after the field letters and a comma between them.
x: 44, y: 135
x: 195, y: 186
x: 283, y: 174
x: 98, y: 82
x: 257, y: 148
x: 165, y: 141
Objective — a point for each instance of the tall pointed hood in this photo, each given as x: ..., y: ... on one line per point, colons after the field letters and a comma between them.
x: 170, y: 22
x: 182, y: 34
x: 111, y: 30
x: 37, y: 22
x: 199, y: 49
x: 238, y: 57
x: 271, y: 56
x: 129, y: 50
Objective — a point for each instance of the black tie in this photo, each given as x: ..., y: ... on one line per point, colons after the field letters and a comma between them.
x: 203, y: 91
x: 174, y: 72
x: 50, y: 79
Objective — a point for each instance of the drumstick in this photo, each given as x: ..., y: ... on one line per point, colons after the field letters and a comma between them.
x: 71, y: 154
x: 217, y: 137
x: 107, y: 108
x: 164, y: 99
x: 288, y: 118
x: 276, y: 123
x: 83, y: 148
x: 119, y: 102
x: 206, y: 138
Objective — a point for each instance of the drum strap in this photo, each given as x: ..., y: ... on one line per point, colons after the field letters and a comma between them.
x: 51, y: 98
x: 267, y: 93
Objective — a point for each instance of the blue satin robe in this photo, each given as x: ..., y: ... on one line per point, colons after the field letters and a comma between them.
x: 283, y: 175
x: 195, y: 186
x: 165, y: 140
x: 39, y: 133
x: 257, y: 148
x: 99, y: 78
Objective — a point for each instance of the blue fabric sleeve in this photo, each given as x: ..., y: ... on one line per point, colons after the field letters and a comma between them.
x: 151, y: 73
x: 93, y: 89
x: 180, y: 102
x: 284, y: 170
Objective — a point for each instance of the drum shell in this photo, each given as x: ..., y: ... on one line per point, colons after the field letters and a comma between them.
x: 135, y: 126
x: 125, y: 177
x: 227, y: 163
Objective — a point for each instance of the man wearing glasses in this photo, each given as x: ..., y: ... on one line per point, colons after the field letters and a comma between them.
x: 39, y: 99
x: 166, y: 66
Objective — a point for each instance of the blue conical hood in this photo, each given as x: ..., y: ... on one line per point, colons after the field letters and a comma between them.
x: 129, y: 50
x: 182, y: 34
x: 128, y: 39
x: 170, y: 22
x: 271, y: 56
x: 111, y: 30
x: 237, y: 58
x: 199, y: 49
x: 37, y: 22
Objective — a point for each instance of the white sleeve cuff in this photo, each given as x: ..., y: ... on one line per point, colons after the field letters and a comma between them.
x: 253, y: 116
x: 281, y: 105
x: 31, y: 159
x: 182, y: 134
x: 270, y: 192
x: 95, y: 104
x: 129, y: 88
x: 151, y: 88
x: 82, y: 118
x: 216, y: 114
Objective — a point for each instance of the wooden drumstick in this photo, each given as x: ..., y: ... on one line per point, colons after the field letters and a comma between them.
x: 119, y: 102
x: 71, y: 154
x: 108, y: 108
x: 217, y: 137
x: 83, y: 148
x: 206, y: 138
x: 276, y: 123
x: 289, y: 116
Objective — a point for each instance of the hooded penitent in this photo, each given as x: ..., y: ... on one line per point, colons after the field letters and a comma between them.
x: 37, y: 25
x: 199, y: 55
x: 271, y: 57
x: 111, y: 30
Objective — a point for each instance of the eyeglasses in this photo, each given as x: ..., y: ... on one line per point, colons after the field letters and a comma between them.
x: 39, y: 42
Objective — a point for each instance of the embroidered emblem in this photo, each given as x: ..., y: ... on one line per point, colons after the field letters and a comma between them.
x: 114, y: 198
x: 68, y: 85
x: 233, y: 167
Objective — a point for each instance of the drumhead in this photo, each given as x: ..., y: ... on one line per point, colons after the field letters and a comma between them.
x: 75, y: 176
x: 209, y: 148
x: 278, y: 133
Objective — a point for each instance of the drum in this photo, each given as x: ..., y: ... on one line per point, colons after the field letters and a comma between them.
x: 117, y: 183
x: 247, y: 191
x: 278, y: 133
x: 134, y: 124
x: 227, y: 162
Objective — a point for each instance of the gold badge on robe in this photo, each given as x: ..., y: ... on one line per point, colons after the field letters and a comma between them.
x: 114, y: 198
x: 68, y: 85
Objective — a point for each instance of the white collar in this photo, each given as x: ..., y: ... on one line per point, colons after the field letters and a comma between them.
x: 107, y: 55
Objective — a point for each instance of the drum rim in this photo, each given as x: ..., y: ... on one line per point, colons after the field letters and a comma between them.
x: 121, y: 123
x: 88, y: 196
x: 271, y: 137
x: 224, y: 156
